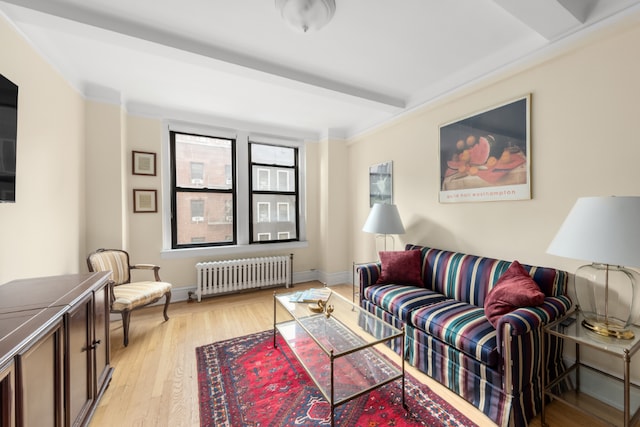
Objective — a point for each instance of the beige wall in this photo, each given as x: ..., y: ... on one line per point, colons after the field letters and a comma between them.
x: 43, y: 233
x: 105, y: 176
x: 584, y: 131
x: 112, y: 135
x: 74, y: 185
x: 334, y: 241
x: 585, y: 142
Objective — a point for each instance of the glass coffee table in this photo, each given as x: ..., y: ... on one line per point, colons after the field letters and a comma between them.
x: 335, y: 345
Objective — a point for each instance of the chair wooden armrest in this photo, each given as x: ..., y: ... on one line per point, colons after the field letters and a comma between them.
x: 155, y: 268
x: 111, y: 284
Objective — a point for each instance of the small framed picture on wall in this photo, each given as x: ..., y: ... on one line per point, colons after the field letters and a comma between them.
x: 145, y: 201
x: 381, y: 183
x: 144, y: 163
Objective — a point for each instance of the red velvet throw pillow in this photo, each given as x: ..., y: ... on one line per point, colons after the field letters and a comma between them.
x: 401, y: 268
x: 515, y: 288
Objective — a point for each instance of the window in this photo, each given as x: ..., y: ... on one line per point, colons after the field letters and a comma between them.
x: 283, y: 180
x: 229, y: 193
x: 264, y: 179
x: 274, y: 172
x: 202, y: 214
x: 197, y: 173
x: 283, y: 212
x: 264, y: 212
x: 197, y: 210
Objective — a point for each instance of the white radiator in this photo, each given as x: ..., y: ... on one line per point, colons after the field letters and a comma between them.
x: 217, y: 277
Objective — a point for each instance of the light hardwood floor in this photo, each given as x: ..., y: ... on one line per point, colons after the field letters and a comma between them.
x: 155, y: 381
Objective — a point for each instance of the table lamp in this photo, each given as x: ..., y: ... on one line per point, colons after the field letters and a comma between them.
x: 605, y: 231
x: 384, y: 219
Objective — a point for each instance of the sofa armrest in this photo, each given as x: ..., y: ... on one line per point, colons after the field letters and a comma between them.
x: 525, y: 319
x: 368, y: 274
x: 519, y: 336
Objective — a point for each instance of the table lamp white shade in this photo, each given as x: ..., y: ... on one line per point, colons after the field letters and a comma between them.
x: 384, y: 219
x: 601, y: 229
x: 605, y: 231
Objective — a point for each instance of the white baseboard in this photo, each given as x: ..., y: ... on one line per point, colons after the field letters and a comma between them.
x: 329, y: 279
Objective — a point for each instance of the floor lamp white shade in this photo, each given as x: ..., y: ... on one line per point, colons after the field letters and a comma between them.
x: 384, y: 219
x: 605, y: 231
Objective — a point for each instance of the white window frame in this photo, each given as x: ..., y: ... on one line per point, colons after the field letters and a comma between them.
x: 242, y: 204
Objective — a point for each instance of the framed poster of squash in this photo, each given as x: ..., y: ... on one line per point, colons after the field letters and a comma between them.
x: 487, y: 156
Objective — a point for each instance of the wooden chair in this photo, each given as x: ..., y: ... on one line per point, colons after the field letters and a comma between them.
x: 127, y: 296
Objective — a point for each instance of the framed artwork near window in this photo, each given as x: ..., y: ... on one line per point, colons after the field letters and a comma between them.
x: 145, y: 201
x: 144, y: 163
x: 381, y: 183
x: 487, y: 156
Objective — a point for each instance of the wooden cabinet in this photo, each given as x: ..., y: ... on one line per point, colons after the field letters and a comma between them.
x: 39, y: 384
x: 54, y: 348
x: 101, y: 342
x: 78, y: 369
x: 7, y: 396
x: 87, y: 345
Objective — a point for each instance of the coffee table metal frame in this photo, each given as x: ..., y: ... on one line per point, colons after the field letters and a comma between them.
x: 340, y: 336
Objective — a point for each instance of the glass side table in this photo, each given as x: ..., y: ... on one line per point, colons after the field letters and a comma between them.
x: 570, y: 329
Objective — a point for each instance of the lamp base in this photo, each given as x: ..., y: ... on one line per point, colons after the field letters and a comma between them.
x: 608, y: 329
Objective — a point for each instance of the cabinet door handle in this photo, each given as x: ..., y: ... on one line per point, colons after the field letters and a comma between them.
x: 93, y: 345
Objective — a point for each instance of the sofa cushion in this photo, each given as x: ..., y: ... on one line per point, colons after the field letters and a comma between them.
x: 461, y: 325
x: 401, y: 267
x: 400, y: 300
x: 514, y: 289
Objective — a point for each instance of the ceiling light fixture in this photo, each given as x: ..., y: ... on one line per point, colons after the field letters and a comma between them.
x: 306, y: 15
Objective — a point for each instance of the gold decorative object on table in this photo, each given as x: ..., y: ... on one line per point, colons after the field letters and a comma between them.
x: 317, y: 307
x: 328, y: 310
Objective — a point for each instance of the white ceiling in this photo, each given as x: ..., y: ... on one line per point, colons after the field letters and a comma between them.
x: 236, y: 61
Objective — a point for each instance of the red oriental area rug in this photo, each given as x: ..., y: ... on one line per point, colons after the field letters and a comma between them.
x: 246, y: 382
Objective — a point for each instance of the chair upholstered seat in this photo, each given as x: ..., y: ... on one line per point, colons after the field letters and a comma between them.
x: 125, y: 295
x: 132, y: 295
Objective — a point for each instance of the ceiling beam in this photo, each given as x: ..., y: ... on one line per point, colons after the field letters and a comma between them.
x: 549, y: 18
x: 242, y: 64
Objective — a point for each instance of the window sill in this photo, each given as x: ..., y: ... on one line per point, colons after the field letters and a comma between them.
x: 230, y: 250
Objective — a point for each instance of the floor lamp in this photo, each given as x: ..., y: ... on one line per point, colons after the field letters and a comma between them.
x: 383, y: 220
x: 605, y: 231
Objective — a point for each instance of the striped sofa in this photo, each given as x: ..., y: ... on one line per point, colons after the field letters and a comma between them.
x: 448, y: 337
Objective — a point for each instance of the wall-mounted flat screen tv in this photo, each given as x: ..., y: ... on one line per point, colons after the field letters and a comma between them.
x: 8, y: 137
